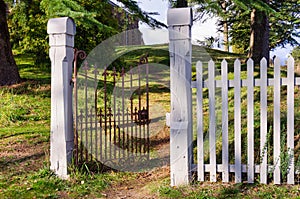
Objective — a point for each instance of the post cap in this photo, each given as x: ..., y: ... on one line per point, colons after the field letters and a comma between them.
x: 61, y: 25
x: 180, y: 16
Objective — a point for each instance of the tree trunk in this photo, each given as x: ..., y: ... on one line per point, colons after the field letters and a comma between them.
x: 9, y: 73
x: 226, y: 37
x: 181, y: 4
x: 259, y: 39
x: 225, y: 28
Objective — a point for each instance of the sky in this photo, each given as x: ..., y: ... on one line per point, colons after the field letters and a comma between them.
x: 199, y: 30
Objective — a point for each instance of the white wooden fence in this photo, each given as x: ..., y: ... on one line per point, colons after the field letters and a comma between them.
x: 263, y: 168
x: 254, y: 159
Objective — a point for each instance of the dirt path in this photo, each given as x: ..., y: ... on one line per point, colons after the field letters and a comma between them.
x: 140, y: 187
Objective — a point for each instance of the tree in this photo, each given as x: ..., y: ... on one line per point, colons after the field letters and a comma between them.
x: 280, y: 17
x: 145, y: 17
x: 92, y: 26
x: 296, y: 54
x: 27, y: 26
x: 220, y: 9
x: 224, y: 6
x: 228, y: 10
x: 8, y: 69
x: 285, y: 23
x: 94, y: 20
x: 259, y: 34
x: 270, y: 23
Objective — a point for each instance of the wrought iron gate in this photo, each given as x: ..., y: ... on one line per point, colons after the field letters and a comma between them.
x: 111, y: 114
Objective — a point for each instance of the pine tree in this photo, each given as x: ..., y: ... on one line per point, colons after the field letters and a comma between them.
x: 220, y: 9
x: 274, y: 23
x: 259, y: 34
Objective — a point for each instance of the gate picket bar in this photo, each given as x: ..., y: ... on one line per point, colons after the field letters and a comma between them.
x: 107, y: 129
x: 263, y: 168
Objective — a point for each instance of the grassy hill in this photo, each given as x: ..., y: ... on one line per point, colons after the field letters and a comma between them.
x: 25, y: 135
x: 160, y: 54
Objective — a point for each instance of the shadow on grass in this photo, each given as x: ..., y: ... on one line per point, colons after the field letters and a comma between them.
x: 30, y: 87
x: 4, y: 164
x: 14, y: 134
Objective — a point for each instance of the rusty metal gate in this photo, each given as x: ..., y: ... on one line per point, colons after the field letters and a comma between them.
x: 111, y: 114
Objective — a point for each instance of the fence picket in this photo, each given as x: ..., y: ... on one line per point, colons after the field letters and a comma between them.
x: 290, y: 119
x: 200, y: 147
x: 237, y: 83
x: 250, y: 120
x: 212, y: 121
x: 237, y: 121
x: 224, y: 72
x: 276, y: 121
x: 263, y: 121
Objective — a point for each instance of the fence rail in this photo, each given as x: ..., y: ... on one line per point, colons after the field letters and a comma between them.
x: 273, y: 165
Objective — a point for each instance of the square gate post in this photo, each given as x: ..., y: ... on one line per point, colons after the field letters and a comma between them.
x: 180, y: 49
x: 61, y: 39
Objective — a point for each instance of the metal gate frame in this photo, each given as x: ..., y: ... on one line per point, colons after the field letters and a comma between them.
x: 112, y: 135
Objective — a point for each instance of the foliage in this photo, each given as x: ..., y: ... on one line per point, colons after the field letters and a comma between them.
x: 28, y: 22
x: 209, y: 41
x: 27, y: 25
x: 296, y: 53
x: 144, y: 16
x: 284, y: 17
x: 284, y: 21
x: 94, y: 21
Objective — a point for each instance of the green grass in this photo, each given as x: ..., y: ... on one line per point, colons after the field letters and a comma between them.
x: 44, y: 184
x: 160, y: 54
x: 24, y: 143
x: 218, y: 190
x: 25, y: 135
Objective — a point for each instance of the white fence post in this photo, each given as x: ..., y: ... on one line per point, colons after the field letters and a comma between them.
x: 237, y: 122
x: 61, y: 39
x: 290, y: 118
x: 263, y: 121
x: 181, y: 156
x: 212, y: 121
x: 250, y: 121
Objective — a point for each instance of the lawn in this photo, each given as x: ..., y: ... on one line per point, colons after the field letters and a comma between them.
x: 24, y: 147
